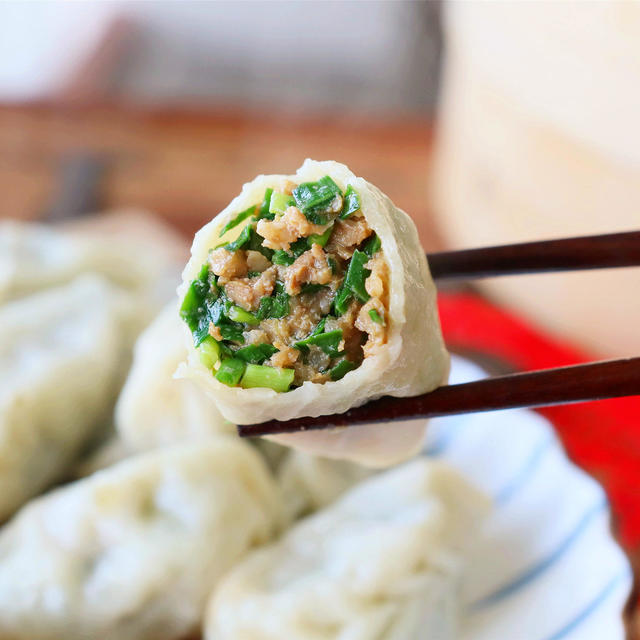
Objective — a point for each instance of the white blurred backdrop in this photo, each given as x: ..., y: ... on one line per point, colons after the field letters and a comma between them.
x: 366, y: 55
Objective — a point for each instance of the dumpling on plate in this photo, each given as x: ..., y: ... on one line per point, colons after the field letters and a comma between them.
x: 35, y: 257
x: 309, y: 482
x: 132, y: 552
x: 382, y: 562
x: 60, y: 359
x: 154, y: 408
x: 308, y: 295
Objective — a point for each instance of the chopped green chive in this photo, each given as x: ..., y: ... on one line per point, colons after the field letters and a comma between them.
x: 276, y: 306
x: 256, y: 353
x: 328, y: 342
x: 280, y: 202
x: 353, y: 284
x: 198, y: 303
x: 341, y: 369
x: 256, y: 375
x: 376, y: 317
x: 255, y: 244
x: 351, y: 203
x: 319, y: 327
x: 209, y: 352
x: 242, y: 240
x: 372, y: 246
x: 232, y: 332
x: 238, y: 314
x: 254, y: 274
x: 238, y: 219
x: 320, y: 238
x: 313, y: 197
x: 333, y: 265
x: 282, y: 258
x: 230, y: 371
x: 225, y: 351
x: 218, y: 313
x: 264, y: 212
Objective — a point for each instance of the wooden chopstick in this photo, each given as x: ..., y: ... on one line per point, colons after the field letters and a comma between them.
x: 567, y: 254
x: 548, y: 387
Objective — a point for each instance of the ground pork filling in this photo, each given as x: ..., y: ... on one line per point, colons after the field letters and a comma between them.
x: 300, y: 294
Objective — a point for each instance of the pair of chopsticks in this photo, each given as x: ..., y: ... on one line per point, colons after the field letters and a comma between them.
x: 548, y: 387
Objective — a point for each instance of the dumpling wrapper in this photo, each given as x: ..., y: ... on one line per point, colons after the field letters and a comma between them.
x: 60, y: 361
x: 35, y: 257
x: 155, y: 409
x: 382, y: 562
x: 132, y: 552
x: 309, y: 482
x: 413, y: 361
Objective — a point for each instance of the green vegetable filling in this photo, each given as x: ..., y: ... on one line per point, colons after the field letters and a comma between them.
x: 314, y: 198
x: 341, y: 369
x: 280, y: 202
x: 376, y: 317
x: 237, y: 220
x: 256, y: 353
x: 264, y: 212
x: 209, y: 352
x: 206, y: 303
x: 230, y: 371
x: 328, y: 342
x: 353, y: 284
x: 256, y: 375
x: 351, y: 203
x: 275, y: 306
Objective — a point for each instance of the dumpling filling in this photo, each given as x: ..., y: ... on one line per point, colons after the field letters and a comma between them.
x: 300, y: 294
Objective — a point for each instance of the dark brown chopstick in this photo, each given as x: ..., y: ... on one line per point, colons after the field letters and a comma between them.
x: 565, y: 385
x: 588, y: 252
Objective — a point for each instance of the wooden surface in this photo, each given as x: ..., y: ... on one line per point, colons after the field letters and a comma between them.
x: 187, y: 165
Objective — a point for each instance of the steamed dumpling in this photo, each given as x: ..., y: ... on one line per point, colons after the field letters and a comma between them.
x: 382, y: 562
x: 308, y: 295
x: 154, y: 408
x: 35, y: 257
x: 60, y: 353
x: 309, y: 483
x: 132, y: 552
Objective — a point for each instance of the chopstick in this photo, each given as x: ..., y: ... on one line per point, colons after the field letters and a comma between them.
x: 548, y: 387
x: 587, y: 252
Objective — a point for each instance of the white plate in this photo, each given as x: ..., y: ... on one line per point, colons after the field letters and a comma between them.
x: 546, y: 566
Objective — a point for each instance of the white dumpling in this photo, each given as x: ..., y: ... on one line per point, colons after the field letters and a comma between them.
x: 309, y: 483
x: 382, y: 562
x: 156, y: 409
x: 60, y: 359
x: 34, y: 257
x: 132, y: 552
x: 413, y: 360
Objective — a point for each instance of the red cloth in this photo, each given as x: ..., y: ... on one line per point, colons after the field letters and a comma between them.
x: 601, y: 437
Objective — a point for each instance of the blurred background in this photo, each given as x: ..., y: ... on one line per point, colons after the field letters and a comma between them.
x: 488, y: 122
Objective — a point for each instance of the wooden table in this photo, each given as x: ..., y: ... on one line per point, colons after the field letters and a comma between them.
x: 186, y: 165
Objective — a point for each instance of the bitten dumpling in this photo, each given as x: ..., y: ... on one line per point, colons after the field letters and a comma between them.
x: 132, y: 552
x: 155, y: 409
x: 308, y: 295
x: 382, y: 562
x: 60, y: 354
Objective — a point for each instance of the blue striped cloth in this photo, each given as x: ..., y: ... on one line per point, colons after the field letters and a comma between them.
x: 545, y: 566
